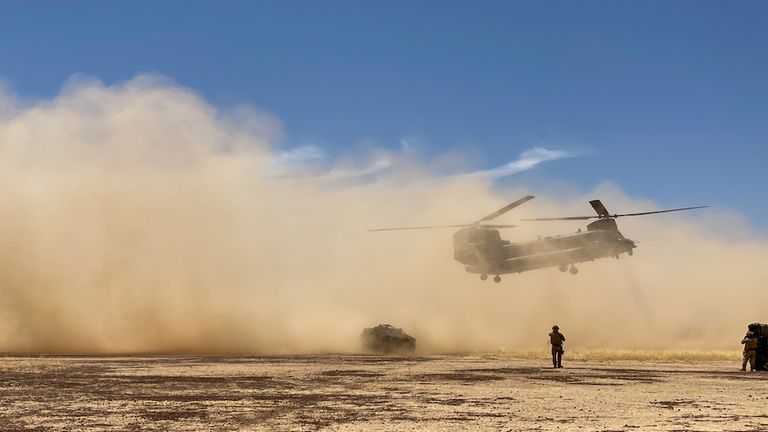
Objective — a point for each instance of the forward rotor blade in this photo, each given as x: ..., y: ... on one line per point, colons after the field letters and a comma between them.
x: 659, y: 211
x: 506, y: 208
x: 421, y: 227
x: 442, y: 226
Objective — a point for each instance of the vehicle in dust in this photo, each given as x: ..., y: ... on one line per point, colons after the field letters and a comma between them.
x: 761, y: 355
x: 386, y: 339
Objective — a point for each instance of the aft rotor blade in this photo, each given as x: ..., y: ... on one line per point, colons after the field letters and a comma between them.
x: 599, y: 208
x: 613, y: 215
x: 659, y: 211
x: 506, y: 208
x: 421, y: 227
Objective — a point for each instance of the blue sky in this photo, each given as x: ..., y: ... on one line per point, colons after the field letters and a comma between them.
x: 668, y: 99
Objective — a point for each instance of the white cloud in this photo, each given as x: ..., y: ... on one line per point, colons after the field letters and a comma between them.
x: 346, y: 173
x: 528, y: 159
x: 405, y: 145
x: 311, y: 162
x: 296, y: 157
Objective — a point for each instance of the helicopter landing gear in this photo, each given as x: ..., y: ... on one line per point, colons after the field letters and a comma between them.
x: 483, y: 276
x: 573, y: 270
x: 630, y: 252
x: 497, y: 278
x: 563, y: 268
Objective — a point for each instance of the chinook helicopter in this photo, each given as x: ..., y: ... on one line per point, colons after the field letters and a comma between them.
x: 481, y: 249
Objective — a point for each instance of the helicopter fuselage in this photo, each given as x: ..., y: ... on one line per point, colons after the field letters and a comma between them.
x: 483, y: 251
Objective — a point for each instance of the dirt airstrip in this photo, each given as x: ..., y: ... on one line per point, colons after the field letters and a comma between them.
x: 309, y: 393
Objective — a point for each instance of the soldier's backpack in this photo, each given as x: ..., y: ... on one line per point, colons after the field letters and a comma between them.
x: 555, y: 339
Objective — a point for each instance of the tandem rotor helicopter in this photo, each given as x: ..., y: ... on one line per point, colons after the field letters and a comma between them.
x: 481, y: 249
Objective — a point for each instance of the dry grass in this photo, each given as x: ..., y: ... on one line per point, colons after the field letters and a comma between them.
x: 626, y: 354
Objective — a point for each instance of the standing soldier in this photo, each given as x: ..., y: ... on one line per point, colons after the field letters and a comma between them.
x: 750, y: 351
x: 556, y: 339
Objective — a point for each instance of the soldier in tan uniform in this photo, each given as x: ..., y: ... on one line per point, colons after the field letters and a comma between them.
x: 750, y: 351
x: 556, y: 339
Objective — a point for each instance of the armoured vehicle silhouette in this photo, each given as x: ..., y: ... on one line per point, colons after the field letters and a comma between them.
x: 387, y: 340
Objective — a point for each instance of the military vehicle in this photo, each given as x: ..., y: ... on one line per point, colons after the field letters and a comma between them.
x: 761, y: 355
x: 387, y: 340
x: 481, y: 249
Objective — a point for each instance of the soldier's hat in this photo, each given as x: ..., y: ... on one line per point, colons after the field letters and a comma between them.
x: 555, y: 327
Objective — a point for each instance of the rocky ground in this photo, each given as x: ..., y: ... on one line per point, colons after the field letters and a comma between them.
x: 354, y: 393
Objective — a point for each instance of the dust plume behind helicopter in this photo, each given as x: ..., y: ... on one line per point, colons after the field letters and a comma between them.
x: 137, y: 218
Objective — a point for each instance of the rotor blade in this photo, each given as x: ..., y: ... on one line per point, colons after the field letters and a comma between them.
x: 612, y: 216
x: 658, y: 211
x: 506, y: 208
x: 599, y: 208
x: 421, y: 227
x: 442, y: 226
x: 494, y: 226
x: 562, y: 218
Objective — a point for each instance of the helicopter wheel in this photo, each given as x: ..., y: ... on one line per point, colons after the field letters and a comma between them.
x: 497, y: 278
x: 563, y: 268
x: 573, y: 270
x: 483, y: 276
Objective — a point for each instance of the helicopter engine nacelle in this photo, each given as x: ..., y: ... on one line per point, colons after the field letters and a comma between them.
x: 477, y: 247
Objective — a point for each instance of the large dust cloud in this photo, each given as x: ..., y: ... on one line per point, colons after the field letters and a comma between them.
x: 136, y: 218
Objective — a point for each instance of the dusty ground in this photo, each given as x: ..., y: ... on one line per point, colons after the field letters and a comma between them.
x: 376, y: 393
